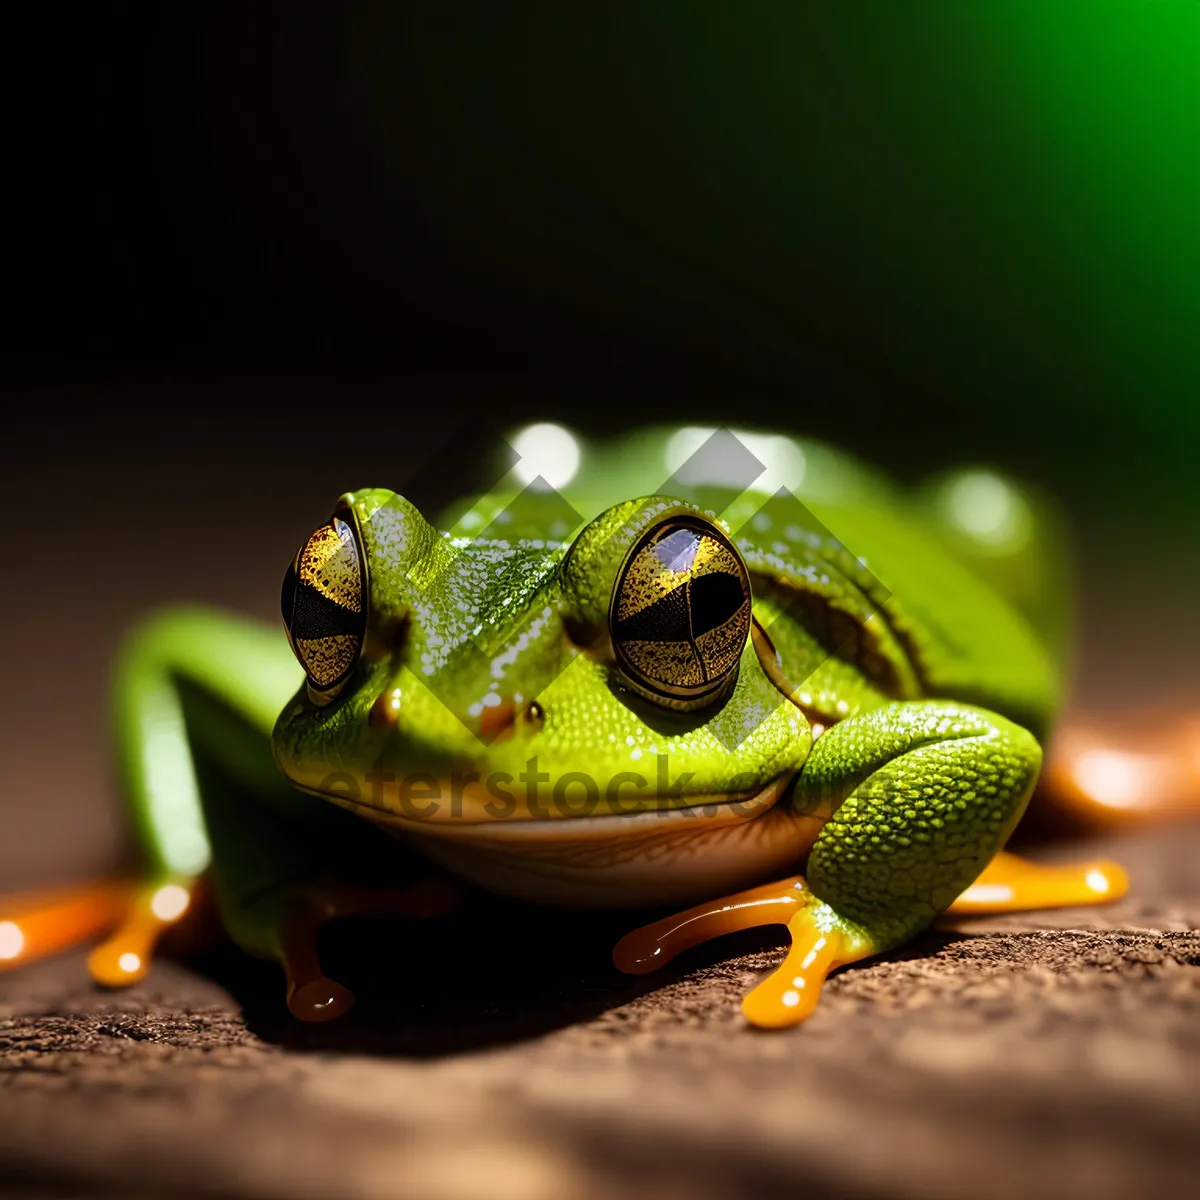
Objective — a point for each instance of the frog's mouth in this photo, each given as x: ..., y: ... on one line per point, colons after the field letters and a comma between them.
x: 683, y: 848
x: 460, y: 804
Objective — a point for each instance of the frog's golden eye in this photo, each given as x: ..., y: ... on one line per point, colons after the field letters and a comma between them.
x: 324, y: 605
x: 680, y: 612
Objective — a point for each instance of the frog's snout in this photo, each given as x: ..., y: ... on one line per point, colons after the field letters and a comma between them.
x: 497, y: 717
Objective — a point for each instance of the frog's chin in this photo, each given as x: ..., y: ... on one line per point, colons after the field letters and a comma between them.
x: 666, y: 856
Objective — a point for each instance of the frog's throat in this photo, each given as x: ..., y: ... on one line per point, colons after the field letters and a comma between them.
x: 671, y: 856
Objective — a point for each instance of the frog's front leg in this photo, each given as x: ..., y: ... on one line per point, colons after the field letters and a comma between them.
x: 195, y: 693
x: 922, y: 795
x: 284, y: 924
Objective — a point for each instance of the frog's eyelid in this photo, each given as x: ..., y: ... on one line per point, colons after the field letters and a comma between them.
x: 321, y: 699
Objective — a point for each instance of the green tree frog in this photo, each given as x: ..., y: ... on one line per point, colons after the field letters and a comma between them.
x: 732, y: 670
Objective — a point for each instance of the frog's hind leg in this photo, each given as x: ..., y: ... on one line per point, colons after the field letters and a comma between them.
x: 1012, y: 884
x: 1015, y: 536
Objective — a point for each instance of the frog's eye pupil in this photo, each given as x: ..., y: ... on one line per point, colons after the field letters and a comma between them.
x: 324, y: 605
x: 680, y: 612
x: 715, y: 599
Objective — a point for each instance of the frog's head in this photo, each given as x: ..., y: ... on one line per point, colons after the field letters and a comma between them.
x: 594, y: 707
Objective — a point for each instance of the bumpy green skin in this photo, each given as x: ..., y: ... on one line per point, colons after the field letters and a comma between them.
x: 489, y: 616
x: 893, y: 631
x: 923, y: 793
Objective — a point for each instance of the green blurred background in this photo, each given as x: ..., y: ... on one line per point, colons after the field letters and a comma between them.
x: 939, y: 229
x: 259, y: 254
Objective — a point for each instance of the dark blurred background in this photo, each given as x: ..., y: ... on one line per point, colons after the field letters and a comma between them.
x: 259, y: 254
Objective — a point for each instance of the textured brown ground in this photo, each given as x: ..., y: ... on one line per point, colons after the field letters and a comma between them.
x: 1051, y: 1055
x: 1001, y: 1060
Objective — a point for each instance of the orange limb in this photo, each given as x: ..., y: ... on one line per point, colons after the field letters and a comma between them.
x: 653, y: 946
x: 150, y: 910
x: 791, y: 992
x: 1117, y: 773
x: 820, y: 944
x: 1012, y: 884
x: 41, y: 924
x: 134, y: 913
x: 311, y: 995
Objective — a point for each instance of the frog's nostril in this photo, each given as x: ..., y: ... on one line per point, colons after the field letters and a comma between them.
x: 504, y: 719
x: 386, y: 709
x: 532, y: 717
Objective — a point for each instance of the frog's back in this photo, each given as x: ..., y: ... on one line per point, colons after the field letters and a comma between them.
x: 964, y: 640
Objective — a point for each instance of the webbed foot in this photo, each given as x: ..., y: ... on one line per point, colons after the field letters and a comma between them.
x: 820, y: 943
x: 1012, y: 884
x: 653, y: 946
x: 152, y: 908
x: 136, y: 912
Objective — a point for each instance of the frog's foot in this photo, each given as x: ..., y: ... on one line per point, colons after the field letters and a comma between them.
x: 820, y: 942
x: 149, y: 910
x: 1126, y: 771
x: 311, y: 994
x: 40, y: 924
x: 1011, y: 884
x: 134, y: 913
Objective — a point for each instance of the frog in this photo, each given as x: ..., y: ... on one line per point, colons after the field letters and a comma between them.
x: 734, y: 675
